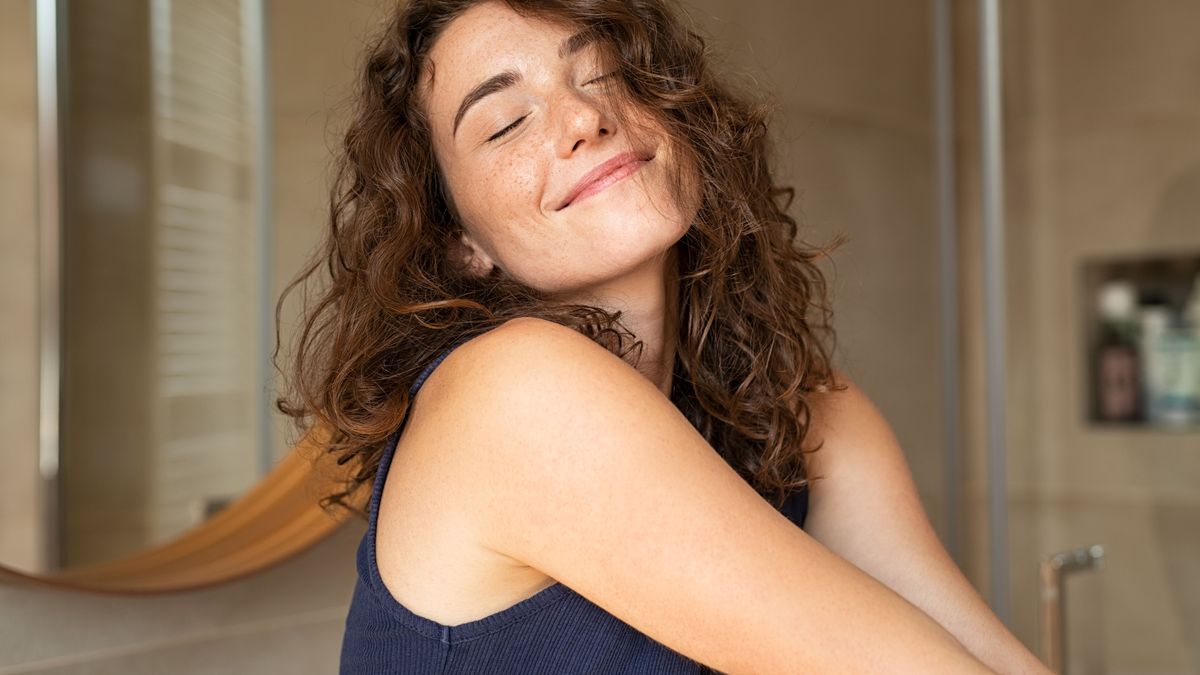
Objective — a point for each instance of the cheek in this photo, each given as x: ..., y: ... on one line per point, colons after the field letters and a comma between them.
x: 506, y: 189
x: 500, y: 202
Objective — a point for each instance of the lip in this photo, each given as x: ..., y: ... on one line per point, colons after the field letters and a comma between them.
x: 605, y: 174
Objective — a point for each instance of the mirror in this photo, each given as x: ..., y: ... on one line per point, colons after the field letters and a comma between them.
x: 156, y: 201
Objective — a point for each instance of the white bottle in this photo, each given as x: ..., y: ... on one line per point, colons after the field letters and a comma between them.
x: 1191, y: 327
x: 1191, y: 311
x: 1155, y: 321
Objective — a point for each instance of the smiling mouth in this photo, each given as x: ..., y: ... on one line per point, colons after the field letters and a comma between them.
x: 604, y: 182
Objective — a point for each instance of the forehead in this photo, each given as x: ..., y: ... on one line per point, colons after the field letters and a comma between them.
x: 482, y: 41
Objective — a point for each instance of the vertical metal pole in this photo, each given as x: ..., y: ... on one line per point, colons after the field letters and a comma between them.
x: 50, y: 229
x: 254, y: 38
x: 943, y: 110
x: 994, y: 298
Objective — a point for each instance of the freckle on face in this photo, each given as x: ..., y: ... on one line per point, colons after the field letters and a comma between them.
x: 506, y: 192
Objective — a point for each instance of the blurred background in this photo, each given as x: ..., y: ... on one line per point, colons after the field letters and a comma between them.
x: 1020, y: 296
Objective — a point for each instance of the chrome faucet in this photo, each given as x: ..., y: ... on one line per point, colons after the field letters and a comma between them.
x: 1052, y: 571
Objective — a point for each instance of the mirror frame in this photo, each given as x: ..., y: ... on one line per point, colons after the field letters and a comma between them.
x: 275, y: 520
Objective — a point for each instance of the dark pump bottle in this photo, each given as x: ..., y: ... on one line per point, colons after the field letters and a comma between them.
x: 1117, y: 374
x: 1118, y: 362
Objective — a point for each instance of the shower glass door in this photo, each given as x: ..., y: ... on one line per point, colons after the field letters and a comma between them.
x: 1101, y: 330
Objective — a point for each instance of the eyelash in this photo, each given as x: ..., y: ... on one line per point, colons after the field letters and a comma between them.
x: 506, y: 129
x: 512, y: 126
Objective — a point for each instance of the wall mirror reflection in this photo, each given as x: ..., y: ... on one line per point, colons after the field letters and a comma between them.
x: 139, y: 313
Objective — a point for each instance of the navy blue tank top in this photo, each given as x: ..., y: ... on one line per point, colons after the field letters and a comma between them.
x: 554, y: 632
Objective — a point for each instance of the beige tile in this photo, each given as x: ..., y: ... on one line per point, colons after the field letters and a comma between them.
x: 1177, y: 531
x: 863, y: 60
x: 18, y: 73
x: 875, y: 185
x: 1139, y: 610
x: 1128, y: 60
x: 44, y: 626
x: 305, y: 80
x: 301, y: 648
x: 21, y: 526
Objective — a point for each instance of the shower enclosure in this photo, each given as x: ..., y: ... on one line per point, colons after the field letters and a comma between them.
x: 1081, y: 128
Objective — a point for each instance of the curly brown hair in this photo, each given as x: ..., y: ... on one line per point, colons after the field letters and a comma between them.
x: 755, y: 330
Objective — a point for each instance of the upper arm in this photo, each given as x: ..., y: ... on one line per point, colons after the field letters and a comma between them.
x: 865, y: 506
x: 583, y: 470
x: 866, y: 509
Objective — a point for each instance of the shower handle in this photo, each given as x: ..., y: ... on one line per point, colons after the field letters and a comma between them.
x: 1053, y: 569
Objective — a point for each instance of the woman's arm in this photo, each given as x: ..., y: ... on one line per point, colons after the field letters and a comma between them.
x: 576, y: 465
x: 866, y: 509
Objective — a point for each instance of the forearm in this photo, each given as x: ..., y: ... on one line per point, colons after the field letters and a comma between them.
x: 968, y: 618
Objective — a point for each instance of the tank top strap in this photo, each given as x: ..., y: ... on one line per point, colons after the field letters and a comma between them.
x: 795, y: 507
x: 428, y: 370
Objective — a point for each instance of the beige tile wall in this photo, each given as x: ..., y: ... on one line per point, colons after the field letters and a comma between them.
x: 312, y: 78
x: 20, y: 491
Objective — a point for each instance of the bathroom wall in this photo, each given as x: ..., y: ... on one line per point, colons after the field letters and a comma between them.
x: 20, y: 486
x: 1102, y: 125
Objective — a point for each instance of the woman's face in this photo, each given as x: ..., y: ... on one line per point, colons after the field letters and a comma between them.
x: 514, y: 156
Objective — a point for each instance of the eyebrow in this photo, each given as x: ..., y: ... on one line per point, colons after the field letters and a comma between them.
x: 508, y: 78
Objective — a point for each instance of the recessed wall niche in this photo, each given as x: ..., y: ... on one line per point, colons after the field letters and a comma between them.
x: 1142, y: 323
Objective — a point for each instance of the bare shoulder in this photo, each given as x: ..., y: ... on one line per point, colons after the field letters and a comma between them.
x: 524, y: 349
x: 834, y: 404
x: 863, y: 472
x: 530, y: 371
x: 842, y: 417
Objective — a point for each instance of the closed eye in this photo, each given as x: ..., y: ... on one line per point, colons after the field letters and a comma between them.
x: 506, y: 129
x: 516, y: 122
x: 602, y: 77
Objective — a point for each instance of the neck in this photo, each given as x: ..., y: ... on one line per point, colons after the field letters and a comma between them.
x: 648, y: 299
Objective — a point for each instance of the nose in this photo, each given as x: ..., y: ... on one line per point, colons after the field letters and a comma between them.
x: 583, y: 120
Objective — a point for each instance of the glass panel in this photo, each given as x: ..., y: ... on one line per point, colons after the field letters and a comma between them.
x: 1102, y: 153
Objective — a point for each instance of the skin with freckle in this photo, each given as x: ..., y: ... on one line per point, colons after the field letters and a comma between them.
x: 507, y: 190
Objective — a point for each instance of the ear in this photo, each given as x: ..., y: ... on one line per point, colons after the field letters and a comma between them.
x: 471, y: 255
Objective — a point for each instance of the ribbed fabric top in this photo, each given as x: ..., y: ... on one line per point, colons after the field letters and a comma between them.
x: 554, y: 632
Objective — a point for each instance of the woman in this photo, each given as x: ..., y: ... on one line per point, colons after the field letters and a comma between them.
x: 559, y: 228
